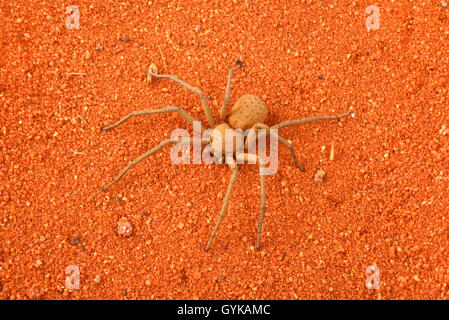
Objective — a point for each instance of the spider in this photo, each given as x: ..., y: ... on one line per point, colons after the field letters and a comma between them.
x: 248, y: 112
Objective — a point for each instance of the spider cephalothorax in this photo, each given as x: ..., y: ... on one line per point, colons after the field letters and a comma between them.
x: 248, y: 112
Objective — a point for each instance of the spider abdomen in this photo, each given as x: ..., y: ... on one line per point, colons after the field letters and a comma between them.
x: 248, y: 110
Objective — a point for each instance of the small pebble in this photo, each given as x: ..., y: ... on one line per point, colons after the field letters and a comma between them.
x: 97, y: 279
x: 319, y: 176
x: 124, y: 227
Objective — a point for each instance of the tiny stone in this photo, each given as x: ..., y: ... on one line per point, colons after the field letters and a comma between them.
x: 443, y: 4
x: 99, y: 47
x: 97, y: 279
x: 319, y: 176
x: 124, y: 227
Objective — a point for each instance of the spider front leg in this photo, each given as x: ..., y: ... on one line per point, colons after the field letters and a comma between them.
x: 293, y: 122
x: 209, y: 117
x: 230, y: 161
x: 187, y: 116
x: 227, y: 98
x: 150, y: 152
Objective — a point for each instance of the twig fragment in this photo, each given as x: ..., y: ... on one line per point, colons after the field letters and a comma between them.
x: 77, y: 152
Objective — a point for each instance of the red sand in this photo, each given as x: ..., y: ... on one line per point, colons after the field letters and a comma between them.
x: 383, y: 201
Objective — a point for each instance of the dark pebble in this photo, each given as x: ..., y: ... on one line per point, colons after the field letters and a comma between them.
x: 75, y: 240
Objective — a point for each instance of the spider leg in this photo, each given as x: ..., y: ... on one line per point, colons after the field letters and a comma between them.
x: 187, y: 116
x: 228, y: 92
x: 203, y: 97
x: 150, y: 152
x: 234, y: 168
x: 293, y: 122
x: 288, y: 144
x: 284, y: 141
x: 263, y: 206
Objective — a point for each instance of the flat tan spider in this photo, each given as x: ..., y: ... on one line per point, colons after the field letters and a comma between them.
x: 248, y: 112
